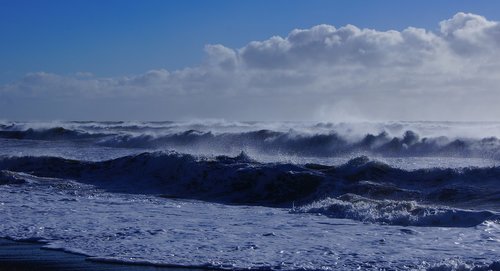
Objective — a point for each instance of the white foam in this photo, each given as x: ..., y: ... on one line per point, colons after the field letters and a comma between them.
x: 136, y: 228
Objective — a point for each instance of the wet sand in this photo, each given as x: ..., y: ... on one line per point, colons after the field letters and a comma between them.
x: 20, y: 256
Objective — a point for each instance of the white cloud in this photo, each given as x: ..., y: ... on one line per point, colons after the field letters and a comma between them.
x: 452, y: 73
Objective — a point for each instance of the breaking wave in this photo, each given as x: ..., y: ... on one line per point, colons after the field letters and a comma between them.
x: 361, y: 189
x: 56, y: 133
x: 392, y: 212
x: 320, y: 140
x: 319, y: 145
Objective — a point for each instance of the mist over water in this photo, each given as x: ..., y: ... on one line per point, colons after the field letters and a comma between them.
x: 274, y: 140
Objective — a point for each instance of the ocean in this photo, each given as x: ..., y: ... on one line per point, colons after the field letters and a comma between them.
x: 228, y: 195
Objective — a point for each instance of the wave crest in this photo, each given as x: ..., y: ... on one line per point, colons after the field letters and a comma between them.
x: 55, y: 133
x: 403, y: 213
x: 361, y: 189
x: 310, y: 141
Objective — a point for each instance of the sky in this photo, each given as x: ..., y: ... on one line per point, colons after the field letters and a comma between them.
x: 249, y: 60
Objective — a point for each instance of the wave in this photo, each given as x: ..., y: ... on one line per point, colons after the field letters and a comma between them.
x: 319, y: 145
x: 8, y: 177
x: 228, y: 179
x: 319, y: 140
x: 241, y: 180
x: 55, y: 133
x: 403, y: 213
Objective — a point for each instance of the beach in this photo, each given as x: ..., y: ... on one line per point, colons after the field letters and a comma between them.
x: 19, y: 256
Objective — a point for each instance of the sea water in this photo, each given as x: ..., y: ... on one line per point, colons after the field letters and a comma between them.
x: 257, y: 195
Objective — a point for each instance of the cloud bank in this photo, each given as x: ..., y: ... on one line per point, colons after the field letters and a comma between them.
x: 320, y: 73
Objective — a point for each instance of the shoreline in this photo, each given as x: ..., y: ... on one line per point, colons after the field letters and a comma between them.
x: 20, y: 256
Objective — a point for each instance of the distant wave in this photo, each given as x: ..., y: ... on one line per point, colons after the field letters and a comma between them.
x: 320, y: 145
x: 320, y: 140
x: 240, y: 180
x: 56, y: 133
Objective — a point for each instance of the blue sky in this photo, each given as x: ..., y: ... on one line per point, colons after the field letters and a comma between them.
x: 249, y: 60
x: 122, y: 37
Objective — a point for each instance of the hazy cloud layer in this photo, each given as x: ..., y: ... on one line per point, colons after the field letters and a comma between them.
x: 324, y: 72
